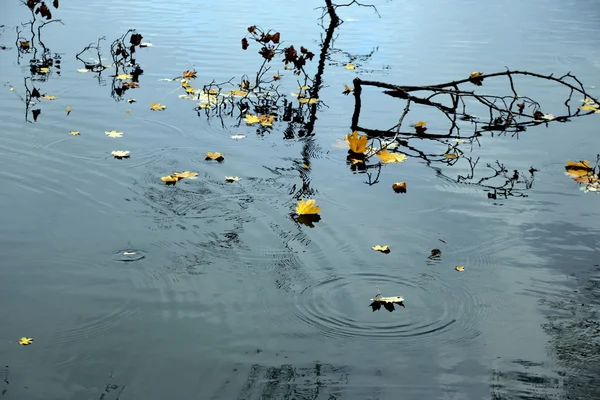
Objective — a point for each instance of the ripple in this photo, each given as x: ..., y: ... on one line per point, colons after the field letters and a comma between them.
x: 128, y: 255
x: 338, y: 307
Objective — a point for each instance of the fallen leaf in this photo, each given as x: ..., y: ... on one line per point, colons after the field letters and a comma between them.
x: 476, y: 79
x: 475, y: 74
x: 74, y: 133
x: 387, y: 302
x: 214, y: 156
x: 83, y: 70
x: 127, y: 111
x: 347, y: 90
x: 169, y: 180
x: 383, y: 249
x: 122, y: 77
x: 590, y: 107
x: 399, y: 187
x: 421, y: 124
x: 44, y: 70
x: 232, y: 178
x: 451, y: 155
x: 25, y: 341
x: 304, y: 87
x: 357, y: 144
x: 350, y: 66
x: 276, y: 77
x: 308, y: 100
x: 131, y: 84
x: 185, y: 174
x: 580, y: 168
x: 189, y: 74
x: 307, y: 207
x: 237, y: 93
x: 157, y: 107
x: 114, y: 134
x: 264, y: 119
x: 24, y: 44
x: 49, y: 97
x: 213, y: 92
x: 120, y: 154
x: 305, y: 166
x: 287, y: 67
x: 237, y: 137
x: 459, y: 268
x: 388, y: 157
x: 68, y: 110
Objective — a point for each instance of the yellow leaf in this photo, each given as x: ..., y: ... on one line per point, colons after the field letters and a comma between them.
x: 44, y: 70
x: 127, y: 111
x: 11, y: 88
x: 308, y: 100
x: 213, y: 92
x: 251, y: 119
x: 205, y: 105
x: 189, y: 90
x: 358, y: 144
x: 169, y: 179
x: 350, y: 66
x: 49, y: 97
x: 232, y: 178
x: 122, y: 77
x: 264, y: 119
x: 356, y: 161
x: 214, y: 156
x: 157, y: 107
x: 451, y: 155
x: 475, y: 74
x: 589, y: 107
x: 25, y: 341
x: 399, y: 187
x: 189, y: 74
x: 237, y: 93
x: 74, y: 133
x: 421, y: 124
x: 185, y: 84
x: 277, y: 77
x: 579, y: 169
x: 114, y: 134
x: 383, y: 249
x: 305, y: 87
x: 119, y: 154
x: 68, y: 110
x: 287, y: 67
x: 388, y: 157
x: 307, y: 207
x: 83, y: 70
x: 185, y: 174
x: 305, y: 166
x: 459, y: 268
x: 347, y: 89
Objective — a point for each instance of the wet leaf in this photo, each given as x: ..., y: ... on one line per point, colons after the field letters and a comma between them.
x: 25, y: 341
x: 169, y: 180
x: 288, y: 67
x: 214, y: 156
x: 74, y: 133
x: 122, y: 77
x: 129, y: 253
x: 347, y: 90
x: 68, y: 110
x: 358, y: 144
x: 49, y: 97
x: 399, y: 187
x: 185, y: 175
x: 308, y: 100
x: 114, y: 134
x: 578, y: 169
x: 237, y: 137
x: 189, y: 74
x: 157, y: 107
x: 307, y: 207
x: 350, y: 66
x: 386, y: 302
x: 384, y: 249
x: 306, y: 87
x: 388, y: 157
x: 120, y: 154
x: 232, y: 178
x: 459, y: 268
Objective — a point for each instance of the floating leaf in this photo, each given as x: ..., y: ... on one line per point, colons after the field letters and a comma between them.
x: 49, y: 97
x: 157, y: 107
x: 237, y: 137
x: 421, y: 124
x: 74, y: 133
x: 276, y: 77
x: 287, y: 67
x: 305, y: 87
x: 68, y: 110
x: 185, y: 175
x: 214, y: 156
x: 358, y: 144
x: 44, y: 70
x: 451, y: 155
x: 25, y: 341
x: 122, y: 77
x: 387, y: 302
x: 83, y: 70
x: 131, y: 101
x: 120, y: 154
x: 307, y: 207
x: 350, y: 66
x: 305, y: 166
x: 347, y: 90
x: 388, y: 157
x: 579, y: 169
x: 399, y: 187
x: 308, y: 100
x: 459, y: 268
x: 189, y: 74
x: 383, y: 249
x: 476, y: 79
x: 114, y: 134
x: 232, y: 178
x: 264, y: 119
x: 169, y: 180
x: 24, y: 45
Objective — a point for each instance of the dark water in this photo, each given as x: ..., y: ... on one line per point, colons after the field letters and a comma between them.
x: 226, y: 297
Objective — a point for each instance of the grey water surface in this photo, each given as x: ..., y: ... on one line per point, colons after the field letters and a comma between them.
x: 226, y: 296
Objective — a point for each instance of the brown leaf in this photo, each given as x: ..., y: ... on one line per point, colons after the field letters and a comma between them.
x: 55, y: 3
x: 244, y: 44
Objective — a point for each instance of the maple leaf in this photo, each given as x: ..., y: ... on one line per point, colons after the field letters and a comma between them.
x: 307, y: 207
x: 157, y: 107
x: 114, y: 134
x: 388, y: 157
x: 25, y: 341
x: 231, y: 179
x: 383, y: 249
x: 358, y: 144
x: 399, y: 187
x: 120, y: 154
x: 74, y: 133
x: 169, y: 179
x: 214, y: 156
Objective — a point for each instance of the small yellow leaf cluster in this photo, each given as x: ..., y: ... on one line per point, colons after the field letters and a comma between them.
x: 388, y: 157
x: 590, y: 105
x: 384, y: 249
x: 157, y: 107
x: 177, y: 176
x: 214, y: 156
x: 307, y: 207
x: 25, y: 341
x: 350, y: 66
x: 357, y: 143
x: 264, y: 119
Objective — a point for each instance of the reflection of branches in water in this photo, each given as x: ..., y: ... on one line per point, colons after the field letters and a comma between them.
x: 95, y: 67
x: 506, y: 114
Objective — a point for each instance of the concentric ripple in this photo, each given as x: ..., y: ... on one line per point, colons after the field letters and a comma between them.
x: 338, y: 307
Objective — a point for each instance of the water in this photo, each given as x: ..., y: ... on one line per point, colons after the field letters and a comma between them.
x: 132, y: 289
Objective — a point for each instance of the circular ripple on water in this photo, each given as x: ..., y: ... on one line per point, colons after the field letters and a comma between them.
x: 128, y: 255
x: 338, y: 307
